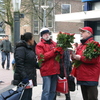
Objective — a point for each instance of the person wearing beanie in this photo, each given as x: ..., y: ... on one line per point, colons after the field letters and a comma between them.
x: 44, y: 30
x: 49, y: 67
x: 87, y: 73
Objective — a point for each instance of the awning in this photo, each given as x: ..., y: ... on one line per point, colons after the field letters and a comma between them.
x: 92, y: 15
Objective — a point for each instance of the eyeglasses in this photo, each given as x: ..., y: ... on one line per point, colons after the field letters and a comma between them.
x: 84, y: 31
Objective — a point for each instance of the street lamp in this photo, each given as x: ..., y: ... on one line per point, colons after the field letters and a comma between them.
x: 44, y: 15
x: 16, y: 6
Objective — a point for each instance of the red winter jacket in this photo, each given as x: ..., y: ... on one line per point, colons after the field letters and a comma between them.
x: 89, y: 70
x: 49, y: 66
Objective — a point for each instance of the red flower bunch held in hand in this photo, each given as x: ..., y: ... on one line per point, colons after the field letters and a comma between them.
x: 64, y: 41
x: 92, y: 51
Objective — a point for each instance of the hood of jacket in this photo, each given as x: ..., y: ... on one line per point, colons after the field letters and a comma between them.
x: 24, y: 44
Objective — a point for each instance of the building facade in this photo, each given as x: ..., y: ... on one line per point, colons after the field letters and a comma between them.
x: 90, y: 16
x: 56, y: 7
x: 35, y: 20
x: 93, y: 6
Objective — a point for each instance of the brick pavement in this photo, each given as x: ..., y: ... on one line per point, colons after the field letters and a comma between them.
x: 7, y: 76
x: 76, y: 95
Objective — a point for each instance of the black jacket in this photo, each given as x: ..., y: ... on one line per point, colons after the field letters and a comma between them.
x: 25, y: 60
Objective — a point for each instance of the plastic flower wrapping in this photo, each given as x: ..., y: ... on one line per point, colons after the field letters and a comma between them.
x: 64, y: 40
x: 92, y: 51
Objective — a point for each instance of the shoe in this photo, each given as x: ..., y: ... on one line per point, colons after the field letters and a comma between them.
x: 2, y: 66
x: 7, y: 69
x: 1, y: 81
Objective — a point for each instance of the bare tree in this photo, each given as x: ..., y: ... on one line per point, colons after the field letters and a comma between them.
x: 28, y: 8
x: 6, y: 14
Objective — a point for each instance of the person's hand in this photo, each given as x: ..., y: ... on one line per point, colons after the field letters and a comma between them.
x: 25, y: 80
x: 58, y: 50
x: 77, y: 57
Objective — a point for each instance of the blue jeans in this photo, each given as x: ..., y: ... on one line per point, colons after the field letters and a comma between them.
x: 4, y: 55
x: 49, y: 87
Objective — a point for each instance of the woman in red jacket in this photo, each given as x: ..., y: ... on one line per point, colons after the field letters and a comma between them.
x: 87, y: 73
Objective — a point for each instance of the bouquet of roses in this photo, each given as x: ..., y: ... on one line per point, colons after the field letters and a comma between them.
x: 92, y: 51
x: 64, y: 41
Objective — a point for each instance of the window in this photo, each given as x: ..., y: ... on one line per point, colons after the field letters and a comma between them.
x: 65, y: 8
x: 50, y: 18
x: 36, y: 25
x: 50, y: 23
x: 35, y: 31
x: 82, y: 7
x: 36, y: 22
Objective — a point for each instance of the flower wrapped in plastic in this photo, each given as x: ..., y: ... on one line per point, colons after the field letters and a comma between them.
x: 92, y: 51
x: 64, y: 41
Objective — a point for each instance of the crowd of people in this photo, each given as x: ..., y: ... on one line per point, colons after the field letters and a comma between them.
x: 29, y: 56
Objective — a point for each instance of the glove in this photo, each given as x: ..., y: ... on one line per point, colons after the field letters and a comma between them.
x: 25, y: 80
x: 58, y: 50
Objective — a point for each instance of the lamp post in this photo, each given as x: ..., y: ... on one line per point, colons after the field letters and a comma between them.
x: 44, y: 15
x: 16, y: 6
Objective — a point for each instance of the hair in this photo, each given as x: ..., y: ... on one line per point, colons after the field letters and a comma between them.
x: 6, y: 36
x: 27, y: 36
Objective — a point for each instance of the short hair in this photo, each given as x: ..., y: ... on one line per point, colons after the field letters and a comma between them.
x: 6, y: 36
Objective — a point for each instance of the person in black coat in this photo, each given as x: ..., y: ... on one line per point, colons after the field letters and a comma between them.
x: 65, y: 62
x: 26, y: 63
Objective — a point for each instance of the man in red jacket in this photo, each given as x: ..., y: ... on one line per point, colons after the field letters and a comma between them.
x: 88, y: 72
x: 46, y: 51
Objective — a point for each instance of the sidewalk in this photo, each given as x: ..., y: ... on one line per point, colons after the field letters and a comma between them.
x: 74, y: 95
x: 7, y: 77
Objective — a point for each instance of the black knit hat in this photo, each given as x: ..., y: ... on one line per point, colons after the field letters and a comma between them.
x: 44, y: 30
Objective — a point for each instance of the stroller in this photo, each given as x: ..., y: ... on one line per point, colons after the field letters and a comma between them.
x: 14, y: 94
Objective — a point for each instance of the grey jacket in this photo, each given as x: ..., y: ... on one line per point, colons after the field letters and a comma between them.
x: 6, y: 46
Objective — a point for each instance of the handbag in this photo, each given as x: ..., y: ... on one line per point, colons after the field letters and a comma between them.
x: 71, y: 83
x: 62, y: 85
x: 14, y: 94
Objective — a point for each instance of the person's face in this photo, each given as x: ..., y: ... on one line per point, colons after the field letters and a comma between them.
x: 46, y: 36
x: 31, y: 42
x: 85, y: 34
x: 6, y: 38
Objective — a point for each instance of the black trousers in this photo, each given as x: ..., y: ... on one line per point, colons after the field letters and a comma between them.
x: 89, y: 92
x: 27, y: 95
